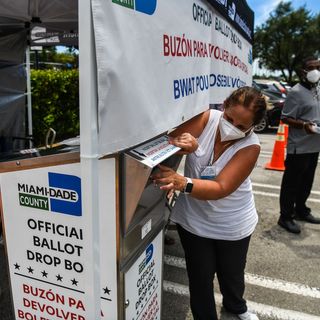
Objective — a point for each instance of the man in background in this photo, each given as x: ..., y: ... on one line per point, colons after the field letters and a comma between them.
x: 301, y: 112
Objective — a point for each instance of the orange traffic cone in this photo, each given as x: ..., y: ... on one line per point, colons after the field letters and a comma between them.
x: 277, y: 160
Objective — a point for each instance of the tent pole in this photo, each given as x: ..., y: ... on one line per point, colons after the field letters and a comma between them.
x: 29, y: 101
x: 89, y: 157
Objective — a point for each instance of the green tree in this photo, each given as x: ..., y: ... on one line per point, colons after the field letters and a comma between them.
x: 47, y: 55
x: 286, y: 38
x: 55, y: 103
x: 67, y: 58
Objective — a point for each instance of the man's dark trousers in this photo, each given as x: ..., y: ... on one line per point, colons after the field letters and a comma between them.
x: 297, y: 183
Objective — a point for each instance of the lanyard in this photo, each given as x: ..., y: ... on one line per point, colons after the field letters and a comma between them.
x: 224, y: 148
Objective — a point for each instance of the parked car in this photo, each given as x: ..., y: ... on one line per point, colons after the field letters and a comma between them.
x: 271, y: 86
x: 275, y: 102
x: 286, y: 85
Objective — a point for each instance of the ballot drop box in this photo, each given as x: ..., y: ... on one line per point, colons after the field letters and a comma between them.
x: 46, y: 236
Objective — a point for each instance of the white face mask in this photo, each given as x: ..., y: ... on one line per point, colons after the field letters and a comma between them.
x: 229, y: 132
x: 313, y: 76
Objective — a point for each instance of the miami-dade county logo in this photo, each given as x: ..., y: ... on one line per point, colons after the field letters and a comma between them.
x: 63, y: 194
x: 144, y: 6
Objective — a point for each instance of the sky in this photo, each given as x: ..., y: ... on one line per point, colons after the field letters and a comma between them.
x: 262, y: 8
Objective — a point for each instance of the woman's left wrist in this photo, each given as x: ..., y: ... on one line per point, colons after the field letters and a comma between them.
x: 188, y: 186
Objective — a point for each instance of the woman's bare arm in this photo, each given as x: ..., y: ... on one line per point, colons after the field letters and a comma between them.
x: 228, y: 180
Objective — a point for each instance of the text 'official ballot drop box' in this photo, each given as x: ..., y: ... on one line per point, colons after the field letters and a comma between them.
x: 142, y: 224
x: 41, y: 209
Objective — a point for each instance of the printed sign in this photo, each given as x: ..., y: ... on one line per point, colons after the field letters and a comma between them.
x: 46, y: 241
x: 156, y: 151
x: 50, y: 36
x: 160, y: 63
x: 143, y: 283
x: 62, y: 194
x: 238, y: 14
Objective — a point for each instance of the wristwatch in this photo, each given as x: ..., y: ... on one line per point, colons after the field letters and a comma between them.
x: 188, y: 187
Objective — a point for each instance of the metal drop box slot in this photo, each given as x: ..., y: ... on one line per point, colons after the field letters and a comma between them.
x: 142, y: 203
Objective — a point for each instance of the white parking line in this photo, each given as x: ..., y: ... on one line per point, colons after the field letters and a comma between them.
x: 261, y: 309
x: 281, y: 285
x: 272, y: 186
x: 265, y: 156
x: 276, y: 195
x: 257, y: 280
x: 269, y: 157
x: 268, y: 154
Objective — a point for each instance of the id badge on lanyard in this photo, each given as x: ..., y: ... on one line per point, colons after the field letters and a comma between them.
x: 208, y: 173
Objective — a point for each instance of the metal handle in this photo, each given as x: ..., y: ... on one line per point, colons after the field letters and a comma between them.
x: 52, y: 138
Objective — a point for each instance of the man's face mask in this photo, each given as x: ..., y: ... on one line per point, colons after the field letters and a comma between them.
x: 313, y: 76
x: 229, y: 132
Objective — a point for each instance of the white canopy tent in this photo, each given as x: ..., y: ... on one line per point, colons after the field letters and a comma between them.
x: 23, y: 15
x: 58, y: 21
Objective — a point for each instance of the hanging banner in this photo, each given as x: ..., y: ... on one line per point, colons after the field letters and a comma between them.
x: 51, y: 36
x: 46, y: 242
x: 238, y: 14
x: 160, y: 63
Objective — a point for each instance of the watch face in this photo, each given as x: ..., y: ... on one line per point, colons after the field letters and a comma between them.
x: 188, y: 188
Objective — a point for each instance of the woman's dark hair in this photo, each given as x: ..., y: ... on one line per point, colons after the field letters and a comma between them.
x: 249, y: 98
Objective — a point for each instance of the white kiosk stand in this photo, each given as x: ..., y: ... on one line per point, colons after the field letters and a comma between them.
x: 46, y: 234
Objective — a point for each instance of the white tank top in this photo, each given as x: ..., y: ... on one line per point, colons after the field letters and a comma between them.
x: 231, y: 218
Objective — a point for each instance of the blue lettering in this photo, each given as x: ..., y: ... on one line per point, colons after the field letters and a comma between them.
x: 190, y: 91
x: 68, y: 182
x: 233, y: 80
x: 187, y: 86
x: 213, y: 80
x: 219, y: 80
x: 184, y: 87
x: 176, y: 89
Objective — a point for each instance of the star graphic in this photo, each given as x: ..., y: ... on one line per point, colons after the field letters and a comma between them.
x: 30, y: 270
x: 59, y: 278
x: 106, y: 290
x: 16, y: 266
x: 74, y: 282
x: 44, y: 274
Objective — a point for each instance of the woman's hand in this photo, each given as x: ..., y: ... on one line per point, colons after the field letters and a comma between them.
x: 168, y: 179
x: 187, y: 142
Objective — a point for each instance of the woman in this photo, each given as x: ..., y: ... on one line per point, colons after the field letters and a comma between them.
x: 215, y: 212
